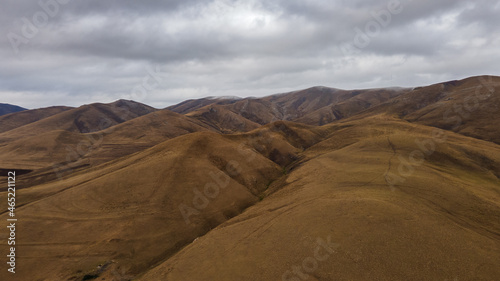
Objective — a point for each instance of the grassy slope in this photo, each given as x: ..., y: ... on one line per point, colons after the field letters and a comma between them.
x: 440, y: 223
x: 128, y: 210
x: 19, y: 119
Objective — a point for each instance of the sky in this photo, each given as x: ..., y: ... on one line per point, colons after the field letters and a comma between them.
x: 68, y: 52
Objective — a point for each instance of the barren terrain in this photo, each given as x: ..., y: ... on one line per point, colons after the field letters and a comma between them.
x: 317, y: 184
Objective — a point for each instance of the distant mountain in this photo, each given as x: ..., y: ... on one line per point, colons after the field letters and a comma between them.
x: 144, y: 132
x: 321, y: 183
x: 72, y: 148
x: 222, y: 119
x: 84, y: 119
x: 9, y: 108
x: 19, y: 119
x: 469, y: 107
x: 207, y: 206
x: 194, y: 104
x: 60, y: 136
x: 313, y: 106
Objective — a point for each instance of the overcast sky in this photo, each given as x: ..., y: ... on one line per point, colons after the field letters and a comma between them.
x: 68, y: 52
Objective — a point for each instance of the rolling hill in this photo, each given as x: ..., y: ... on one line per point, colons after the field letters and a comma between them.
x: 343, y: 184
x: 55, y: 121
x: 469, y: 106
x: 19, y: 119
x: 335, y: 217
x: 58, y: 153
x: 222, y: 119
x: 130, y: 232
x: 313, y: 106
x: 317, y: 184
x: 84, y: 119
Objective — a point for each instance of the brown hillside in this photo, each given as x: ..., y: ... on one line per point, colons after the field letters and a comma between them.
x: 223, y: 120
x: 313, y: 106
x: 129, y: 211
x: 19, y: 119
x: 38, y: 151
x: 345, y: 183
x: 440, y: 222
x: 143, y: 132
x: 195, y: 104
x: 60, y: 153
x: 84, y: 119
x: 468, y: 106
x: 396, y: 184
x: 362, y: 100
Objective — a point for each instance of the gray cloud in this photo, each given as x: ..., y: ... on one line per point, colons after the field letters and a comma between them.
x: 88, y: 51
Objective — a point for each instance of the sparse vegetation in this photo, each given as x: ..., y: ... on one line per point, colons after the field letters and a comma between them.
x: 317, y: 181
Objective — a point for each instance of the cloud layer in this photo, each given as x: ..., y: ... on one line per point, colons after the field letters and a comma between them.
x: 64, y: 52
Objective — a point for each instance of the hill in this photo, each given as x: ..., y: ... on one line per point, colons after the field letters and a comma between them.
x: 468, y: 107
x: 223, y: 120
x: 9, y: 108
x: 58, y: 153
x: 143, y: 132
x: 84, y: 119
x: 45, y: 141
x: 317, y: 184
x: 194, y: 104
x: 340, y: 214
x: 313, y: 106
x: 129, y: 210
x: 344, y: 184
x: 19, y: 119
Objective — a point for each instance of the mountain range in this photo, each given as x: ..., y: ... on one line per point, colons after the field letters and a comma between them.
x: 315, y: 184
